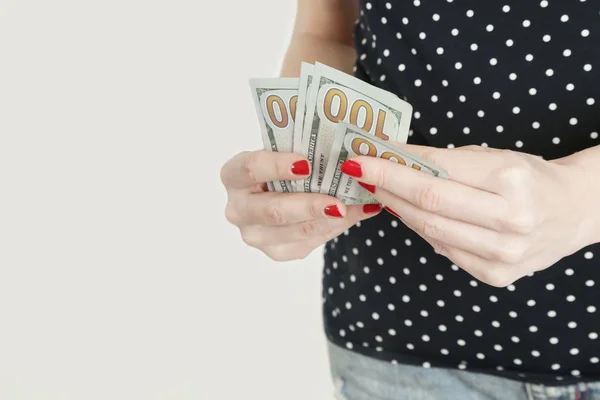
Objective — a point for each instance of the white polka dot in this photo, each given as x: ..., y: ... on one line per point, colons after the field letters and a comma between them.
x: 410, y: 346
x: 594, y: 360
x: 489, y: 28
x: 556, y: 140
x: 512, y: 314
x: 493, y: 299
x: 549, y: 72
x: 457, y: 293
x: 348, y: 305
x: 512, y: 76
x: 588, y: 255
x: 433, y: 130
x: 425, y: 338
x: 496, y: 324
x: 590, y: 101
x: 445, y: 82
x: 564, y: 18
x: 375, y: 316
x: 442, y: 328
x: 462, y: 98
x: 509, y: 42
x: 423, y: 288
x: 435, y: 17
x: 405, y: 298
x: 552, y: 313
x: 573, y: 121
x: 476, y: 308
x: 470, y: 13
x: 517, y: 361
x: 552, y: 106
x: 533, y: 328
x: 526, y: 23
x: 477, y: 332
x: 459, y: 318
x: 473, y: 283
x: 461, y: 342
x: 550, y: 286
x: 585, y: 33
x: 544, y: 4
x: 515, y: 339
x: 454, y: 267
x: 519, y: 144
x: 553, y: 340
x: 405, y: 21
x: 480, y: 356
x: 444, y: 352
x: 575, y: 372
x: 496, y: 95
x: 516, y: 110
x: 384, y: 20
x: 474, y: 46
x: 368, y: 5
x: 593, y: 335
x: 349, y: 345
x: 587, y: 67
x: 440, y: 303
x: 458, y: 65
x: 572, y: 324
x: 497, y: 347
x: 535, y: 353
x: 388, y: 6
x: 570, y: 87
x: 477, y: 80
x: 493, y: 61
x: 454, y: 32
x: 570, y: 298
x: 401, y: 67
x: 499, y: 128
x: 529, y: 57
x: 591, y: 309
x: 567, y: 53
x: 574, y: 351
x: 555, y: 366
x: 480, y: 114
x: 594, y: 135
x: 546, y: 38
x: 440, y: 50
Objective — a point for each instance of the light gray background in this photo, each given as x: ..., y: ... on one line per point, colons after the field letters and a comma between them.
x: 119, y: 277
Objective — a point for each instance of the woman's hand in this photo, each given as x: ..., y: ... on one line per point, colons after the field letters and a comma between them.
x: 285, y: 226
x: 501, y: 215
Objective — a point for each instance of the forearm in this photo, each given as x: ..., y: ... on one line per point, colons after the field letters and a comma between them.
x: 310, y: 48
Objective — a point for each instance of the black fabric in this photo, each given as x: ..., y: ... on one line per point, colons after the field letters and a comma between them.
x: 528, y: 72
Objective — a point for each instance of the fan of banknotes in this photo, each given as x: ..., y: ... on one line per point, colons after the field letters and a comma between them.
x: 329, y: 116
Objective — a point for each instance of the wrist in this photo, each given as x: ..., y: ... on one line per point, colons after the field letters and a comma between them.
x: 582, y: 186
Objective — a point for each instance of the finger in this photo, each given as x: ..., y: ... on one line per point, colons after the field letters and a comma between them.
x: 440, y: 196
x: 494, y: 274
x: 288, y: 208
x: 485, y: 243
x: 319, y: 230
x: 470, y: 165
x: 247, y: 169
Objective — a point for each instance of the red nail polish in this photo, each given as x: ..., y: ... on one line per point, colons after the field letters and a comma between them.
x: 394, y: 213
x: 371, y: 208
x: 333, y: 211
x: 352, y: 168
x: 300, y: 167
x: 366, y: 186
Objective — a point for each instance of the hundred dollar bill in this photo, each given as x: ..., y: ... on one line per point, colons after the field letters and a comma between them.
x: 306, y: 75
x: 335, y: 96
x: 351, y: 141
x: 275, y: 100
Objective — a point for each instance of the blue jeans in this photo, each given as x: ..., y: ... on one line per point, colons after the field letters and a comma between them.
x: 358, y: 377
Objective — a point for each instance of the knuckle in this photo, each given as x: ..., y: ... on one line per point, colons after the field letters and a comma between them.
x: 522, y: 222
x: 381, y: 177
x: 431, y: 228
x: 232, y: 215
x: 250, y: 165
x: 438, y: 247
x: 428, y: 199
x: 250, y: 237
x: 511, y: 253
x: 277, y: 253
x: 309, y: 229
x: 274, y: 213
x: 516, y: 176
x: 497, y: 278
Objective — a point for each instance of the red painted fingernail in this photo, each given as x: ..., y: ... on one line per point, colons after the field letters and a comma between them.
x: 300, y: 167
x: 370, y: 188
x: 371, y: 208
x: 333, y: 211
x: 394, y: 213
x: 352, y: 168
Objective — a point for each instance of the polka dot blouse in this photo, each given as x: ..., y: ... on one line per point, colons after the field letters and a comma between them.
x: 517, y: 75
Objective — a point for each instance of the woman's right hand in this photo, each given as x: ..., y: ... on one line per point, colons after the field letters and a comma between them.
x: 285, y: 226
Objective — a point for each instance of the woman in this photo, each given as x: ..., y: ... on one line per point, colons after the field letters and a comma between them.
x: 480, y: 286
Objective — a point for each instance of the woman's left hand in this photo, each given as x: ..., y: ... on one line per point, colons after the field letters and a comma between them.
x: 501, y: 215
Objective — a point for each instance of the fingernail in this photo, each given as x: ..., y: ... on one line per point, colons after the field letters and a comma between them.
x: 394, y: 213
x: 333, y: 211
x: 371, y: 208
x: 300, y: 167
x: 352, y: 168
x: 370, y: 188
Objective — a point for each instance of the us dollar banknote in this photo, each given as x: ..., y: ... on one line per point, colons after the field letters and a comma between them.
x: 351, y: 141
x: 275, y: 100
x: 335, y: 97
x: 305, y: 80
